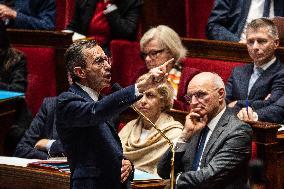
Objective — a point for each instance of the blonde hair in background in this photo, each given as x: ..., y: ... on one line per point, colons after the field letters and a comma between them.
x: 167, y: 38
x: 166, y: 92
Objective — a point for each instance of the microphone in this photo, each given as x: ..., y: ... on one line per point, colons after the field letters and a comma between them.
x: 117, y: 87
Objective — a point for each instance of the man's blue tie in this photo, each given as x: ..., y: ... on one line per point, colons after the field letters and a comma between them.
x: 200, y: 147
x: 266, y: 9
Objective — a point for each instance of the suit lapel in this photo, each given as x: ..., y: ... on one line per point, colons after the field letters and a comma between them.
x: 266, y: 74
x: 215, y: 134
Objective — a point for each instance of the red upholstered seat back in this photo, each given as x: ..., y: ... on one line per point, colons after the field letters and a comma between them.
x: 127, y: 65
x: 64, y: 13
x: 41, y: 75
x: 197, y: 10
x: 222, y: 68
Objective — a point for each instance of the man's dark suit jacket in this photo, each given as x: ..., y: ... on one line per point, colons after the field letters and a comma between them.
x: 91, y: 143
x: 42, y: 127
x: 228, y: 18
x: 123, y: 21
x: 224, y: 161
x: 270, y: 82
x: 34, y: 14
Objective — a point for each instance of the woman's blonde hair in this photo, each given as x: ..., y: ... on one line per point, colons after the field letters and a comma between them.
x: 167, y: 38
x: 166, y: 93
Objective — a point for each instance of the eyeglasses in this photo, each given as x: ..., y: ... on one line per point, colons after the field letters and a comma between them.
x: 199, y: 95
x: 101, y: 60
x: 153, y: 54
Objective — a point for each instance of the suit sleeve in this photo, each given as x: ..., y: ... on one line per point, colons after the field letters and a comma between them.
x: 273, y: 113
x: 43, y: 20
x: 218, y: 21
x: 25, y: 148
x: 124, y: 26
x: 164, y: 165
x: 265, y: 108
x: 56, y: 149
x: 72, y: 110
x: 232, y: 155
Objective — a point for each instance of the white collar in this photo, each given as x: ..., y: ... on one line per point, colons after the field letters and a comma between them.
x: 266, y: 65
x: 93, y: 94
x: 212, y: 124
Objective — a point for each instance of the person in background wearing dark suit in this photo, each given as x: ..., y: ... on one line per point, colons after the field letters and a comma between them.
x: 105, y: 20
x: 41, y: 140
x: 215, y: 146
x: 159, y: 44
x: 89, y: 139
x: 13, y: 77
x: 253, y: 90
x: 229, y: 18
x: 28, y: 14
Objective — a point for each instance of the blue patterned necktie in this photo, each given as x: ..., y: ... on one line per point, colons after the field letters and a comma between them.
x: 257, y: 72
x: 266, y: 9
x: 200, y: 147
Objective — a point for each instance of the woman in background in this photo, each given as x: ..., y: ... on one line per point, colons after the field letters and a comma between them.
x: 13, y: 70
x: 160, y: 44
x: 142, y: 144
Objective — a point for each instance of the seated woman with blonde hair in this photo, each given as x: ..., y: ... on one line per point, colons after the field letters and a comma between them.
x: 142, y: 143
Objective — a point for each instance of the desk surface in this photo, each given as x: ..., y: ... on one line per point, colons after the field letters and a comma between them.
x: 14, y: 177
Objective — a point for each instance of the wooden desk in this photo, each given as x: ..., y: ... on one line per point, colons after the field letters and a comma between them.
x: 7, y: 113
x: 13, y: 177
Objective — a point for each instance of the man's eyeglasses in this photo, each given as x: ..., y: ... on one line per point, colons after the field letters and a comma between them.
x: 153, y: 54
x: 199, y: 95
x: 101, y: 60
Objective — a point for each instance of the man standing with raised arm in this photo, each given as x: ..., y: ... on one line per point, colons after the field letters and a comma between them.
x: 83, y: 121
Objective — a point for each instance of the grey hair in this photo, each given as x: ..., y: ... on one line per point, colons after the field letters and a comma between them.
x: 167, y: 38
x: 264, y: 23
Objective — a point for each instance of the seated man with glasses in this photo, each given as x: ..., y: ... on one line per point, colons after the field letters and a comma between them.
x: 160, y: 44
x: 215, y: 146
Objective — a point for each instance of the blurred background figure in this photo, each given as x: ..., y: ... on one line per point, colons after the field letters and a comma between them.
x: 160, y: 44
x: 257, y: 177
x: 142, y: 144
x: 13, y: 65
x: 28, y: 14
x: 105, y: 20
x: 228, y: 20
x: 13, y: 77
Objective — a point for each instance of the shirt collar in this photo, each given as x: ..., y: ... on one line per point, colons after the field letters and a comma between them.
x: 212, y: 124
x: 265, y: 66
x: 93, y: 94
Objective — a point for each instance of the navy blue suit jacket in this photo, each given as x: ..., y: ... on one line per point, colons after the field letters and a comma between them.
x: 228, y: 18
x: 91, y: 143
x: 42, y: 127
x: 34, y: 14
x: 270, y: 82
